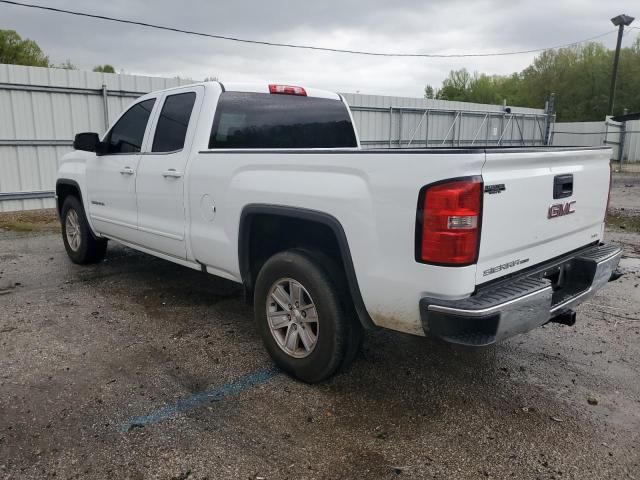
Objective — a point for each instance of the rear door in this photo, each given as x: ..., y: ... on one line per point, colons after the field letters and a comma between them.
x: 111, y: 177
x: 160, y: 179
x: 540, y: 204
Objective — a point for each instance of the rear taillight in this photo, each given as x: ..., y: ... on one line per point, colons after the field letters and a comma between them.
x: 287, y: 90
x: 449, y: 218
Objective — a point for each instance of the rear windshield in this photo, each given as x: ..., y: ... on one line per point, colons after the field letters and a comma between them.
x: 264, y: 120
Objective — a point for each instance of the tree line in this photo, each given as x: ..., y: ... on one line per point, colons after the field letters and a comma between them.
x: 579, y: 77
x: 18, y: 51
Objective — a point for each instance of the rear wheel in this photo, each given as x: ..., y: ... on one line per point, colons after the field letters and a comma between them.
x: 302, y: 316
x: 79, y: 242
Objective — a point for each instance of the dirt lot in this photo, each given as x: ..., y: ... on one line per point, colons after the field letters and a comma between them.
x: 137, y: 368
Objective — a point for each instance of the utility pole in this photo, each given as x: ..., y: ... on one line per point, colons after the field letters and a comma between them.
x: 620, y: 21
x: 549, y: 110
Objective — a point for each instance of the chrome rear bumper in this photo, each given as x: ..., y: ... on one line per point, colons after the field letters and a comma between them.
x: 522, y: 302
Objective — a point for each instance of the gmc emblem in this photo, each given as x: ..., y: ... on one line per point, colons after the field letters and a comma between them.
x: 561, y: 209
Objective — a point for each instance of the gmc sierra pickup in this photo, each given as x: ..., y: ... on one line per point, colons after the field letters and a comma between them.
x: 266, y: 185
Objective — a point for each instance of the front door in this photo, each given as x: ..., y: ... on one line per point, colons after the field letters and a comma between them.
x: 111, y: 177
x: 161, y: 173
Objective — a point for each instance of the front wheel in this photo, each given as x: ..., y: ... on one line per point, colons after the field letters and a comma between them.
x: 79, y: 242
x: 303, y: 316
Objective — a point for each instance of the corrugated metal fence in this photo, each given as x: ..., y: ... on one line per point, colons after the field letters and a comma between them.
x: 587, y: 134
x: 41, y: 110
x: 609, y: 132
x: 631, y: 140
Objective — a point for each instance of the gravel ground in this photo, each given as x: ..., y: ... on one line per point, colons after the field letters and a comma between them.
x: 90, y: 358
x: 625, y: 192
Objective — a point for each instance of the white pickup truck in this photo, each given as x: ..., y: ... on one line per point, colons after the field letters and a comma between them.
x: 267, y: 186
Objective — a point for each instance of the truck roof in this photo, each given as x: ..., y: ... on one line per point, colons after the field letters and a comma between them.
x: 264, y: 88
x: 255, y: 87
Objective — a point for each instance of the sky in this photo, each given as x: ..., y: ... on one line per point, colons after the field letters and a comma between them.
x: 416, y: 26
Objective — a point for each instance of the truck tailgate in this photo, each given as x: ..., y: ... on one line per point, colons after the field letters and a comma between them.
x: 522, y: 223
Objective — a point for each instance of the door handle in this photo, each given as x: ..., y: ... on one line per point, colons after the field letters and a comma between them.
x: 171, y: 173
x: 127, y: 171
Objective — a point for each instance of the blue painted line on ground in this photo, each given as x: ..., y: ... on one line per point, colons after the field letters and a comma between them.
x: 202, y: 398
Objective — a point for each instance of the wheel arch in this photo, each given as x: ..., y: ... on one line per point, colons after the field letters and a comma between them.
x: 252, y: 211
x: 64, y: 188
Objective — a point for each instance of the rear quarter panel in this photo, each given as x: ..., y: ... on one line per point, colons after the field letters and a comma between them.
x: 372, y: 195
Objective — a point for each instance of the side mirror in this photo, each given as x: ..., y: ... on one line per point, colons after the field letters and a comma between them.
x: 87, y: 141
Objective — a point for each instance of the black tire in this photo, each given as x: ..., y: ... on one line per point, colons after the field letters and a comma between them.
x: 339, y: 332
x: 89, y: 248
x: 356, y: 331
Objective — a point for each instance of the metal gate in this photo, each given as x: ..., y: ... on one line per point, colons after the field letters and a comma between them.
x: 403, y: 122
x: 437, y: 127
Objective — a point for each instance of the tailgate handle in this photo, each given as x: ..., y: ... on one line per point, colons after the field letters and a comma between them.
x: 563, y: 186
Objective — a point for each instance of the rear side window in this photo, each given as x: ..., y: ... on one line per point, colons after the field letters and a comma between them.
x: 264, y: 120
x: 127, y: 134
x: 173, y: 122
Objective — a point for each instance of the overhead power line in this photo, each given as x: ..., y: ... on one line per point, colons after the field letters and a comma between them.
x: 291, y: 45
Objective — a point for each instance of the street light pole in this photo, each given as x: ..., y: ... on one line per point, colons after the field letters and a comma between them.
x: 620, y: 21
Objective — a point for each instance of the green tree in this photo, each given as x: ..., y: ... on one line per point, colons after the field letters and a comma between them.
x: 106, y: 68
x: 579, y: 76
x: 17, y: 51
x: 429, y: 92
x: 456, y: 86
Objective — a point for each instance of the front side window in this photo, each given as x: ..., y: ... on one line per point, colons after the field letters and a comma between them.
x: 265, y: 120
x: 173, y: 122
x: 127, y: 134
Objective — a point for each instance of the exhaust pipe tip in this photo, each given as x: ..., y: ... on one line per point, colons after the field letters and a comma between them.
x: 566, y: 317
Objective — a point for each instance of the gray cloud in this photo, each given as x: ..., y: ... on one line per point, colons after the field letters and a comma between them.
x: 410, y: 26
